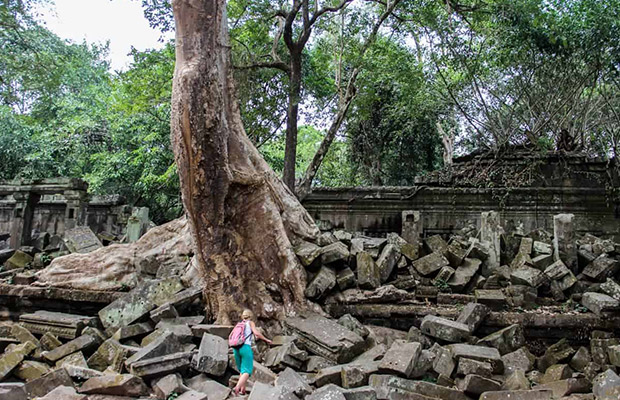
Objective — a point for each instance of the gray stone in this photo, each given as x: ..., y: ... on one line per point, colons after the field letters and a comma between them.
x: 66, y: 326
x: 518, y: 395
x: 325, y: 337
x: 215, y: 390
x: 334, y: 252
x: 383, y: 384
x: 222, y: 331
x: 516, y: 381
x: 468, y: 366
x: 387, y: 261
x: 490, y: 232
x: 139, y: 302
x: 63, y: 393
x: 356, y: 375
x: 601, y: 268
x: 476, y: 385
x: 81, y: 343
x: 443, y: 276
x: 431, y: 263
x: 166, y: 343
x: 18, y: 260
x: 611, y: 288
x: 505, y: 340
x: 360, y: 393
x: 212, y: 356
x: 527, y: 276
x: 8, y: 362
x: 345, y: 278
x: 541, y: 248
x: 606, y: 386
x: 322, y: 283
x: 368, y: 276
x: 599, y: 302
x: 556, y: 372
x: 556, y: 353
x: 165, y: 311
x: 614, y: 355
x: 464, y: 274
x: 493, y: 298
x: 29, y: 370
x: 401, y: 358
x: 567, y: 386
x: 287, y: 355
x: 564, y: 246
x: 473, y: 315
x: 328, y: 392
x: 411, y: 226
x: 161, y: 365
x: 434, y: 244
x: 307, y: 252
x: 193, y: 395
x: 315, y: 363
x: 542, y: 261
x: 81, y: 239
x: 444, y: 363
x: 349, y: 322
x: 479, y: 353
x: 45, y: 384
x: 133, y: 330
x: 424, y: 364
x: 581, y: 359
x: 415, y: 335
x: 518, y: 360
x: 81, y: 373
x: 119, y: 385
x: 294, y: 382
x: 326, y: 238
x: 169, y: 384
x: 444, y: 329
x: 455, y: 254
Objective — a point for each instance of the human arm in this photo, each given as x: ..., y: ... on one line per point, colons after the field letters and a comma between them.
x: 256, y: 333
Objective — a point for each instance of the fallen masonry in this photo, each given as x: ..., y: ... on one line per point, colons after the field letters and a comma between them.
x: 489, y: 316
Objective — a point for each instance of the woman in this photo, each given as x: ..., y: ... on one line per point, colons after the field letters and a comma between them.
x: 244, y: 357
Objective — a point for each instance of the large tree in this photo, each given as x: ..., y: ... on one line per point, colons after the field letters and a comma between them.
x: 243, y: 218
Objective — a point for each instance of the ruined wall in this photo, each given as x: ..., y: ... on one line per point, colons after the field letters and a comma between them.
x: 451, y: 199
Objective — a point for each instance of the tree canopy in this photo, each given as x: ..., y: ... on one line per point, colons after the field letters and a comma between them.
x: 489, y: 75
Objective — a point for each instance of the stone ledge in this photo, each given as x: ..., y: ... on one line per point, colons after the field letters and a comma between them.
x: 24, y: 292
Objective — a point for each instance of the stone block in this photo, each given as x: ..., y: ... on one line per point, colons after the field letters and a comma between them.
x: 287, y: 355
x: 345, y: 278
x: 49, y: 342
x: 606, y: 386
x: 493, y: 298
x: 166, y: 343
x: 357, y: 375
x: 505, y: 340
x: 30, y: 370
x: 77, y: 359
x: 351, y: 323
x: 434, y: 244
x: 464, y: 274
x: 411, y: 252
x: 383, y: 384
x: 564, y: 246
x: 473, y: 315
x: 479, y: 353
x: 81, y: 343
x: 476, y: 385
x: 193, y: 395
x: 566, y: 387
x: 133, y: 330
x: 162, y: 365
x: 81, y: 239
x: 387, y: 261
x: 516, y: 381
x: 18, y: 260
x: 293, y: 382
x: 337, y: 251
x: 557, y: 372
x: 455, y: 254
x: 444, y: 329
x: 325, y: 337
x: 401, y: 358
x: 614, y: 355
x: 443, y: 362
x: 368, y: 276
x: 555, y: 354
x: 411, y: 226
x: 581, y: 359
x: 611, y: 288
x: 443, y: 276
x: 520, y: 359
x: 307, y: 252
x: 262, y: 391
x: 542, y: 261
x: 63, y: 393
x: 430, y: 263
x: 599, y: 303
x: 165, y: 311
x: 322, y: 283
x: 45, y: 384
x: 139, y: 302
x: 527, y: 276
x: 518, y: 395
x: 81, y: 373
x: 105, y: 355
x: 540, y: 248
x: 8, y: 362
x: 316, y: 363
x: 601, y: 268
x: 66, y: 326
x: 215, y: 390
x: 467, y: 366
x: 222, y: 331
x: 118, y: 385
x: 212, y: 356
x: 360, y: 393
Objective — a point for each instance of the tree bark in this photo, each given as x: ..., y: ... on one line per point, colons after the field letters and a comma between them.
x: 292, y: 114
x: 243, y: 219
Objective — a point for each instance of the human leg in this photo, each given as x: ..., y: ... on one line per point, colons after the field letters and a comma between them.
x: 247, y: 366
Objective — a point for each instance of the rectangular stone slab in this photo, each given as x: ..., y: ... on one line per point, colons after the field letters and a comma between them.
x: 67, y: 326
x: 325, y: 337
x: 160, y: 366
x: 139, y: 302
x: 81, y: 239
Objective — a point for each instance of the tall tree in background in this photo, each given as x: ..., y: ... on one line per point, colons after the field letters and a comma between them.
x: 243, y: 217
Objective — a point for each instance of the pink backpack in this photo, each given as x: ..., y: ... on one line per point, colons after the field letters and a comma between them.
x: 237, y: 336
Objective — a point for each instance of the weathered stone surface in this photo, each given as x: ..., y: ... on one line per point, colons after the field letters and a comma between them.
x: 139, y: 302
x: 8, y: 362
x: 322, y: 283
x: 67, y: 326
x: 473, y: 315
x: 215, y: 390
x: 614, y: 355
x: 431, y: 263
x: 316, y: 363
x: 162, y: 365
x: 411, y: 226
x: 165, y: 311
x: 262, y: 391
x: 293, y: 382
x: 505, y: 340
x: 166, y: 343
x: 443, y: 363
x: 29, y: 370
x: 387, y: 261
x: 516, y: 381
x: 351, y: 323
x: 325, y: 337
x: 556, y: 353
x: 81, y: 373
x: 328, y: 392
x: 410, y: 251
x: 455, y: 254
x: 520, y: 359
x: 480, y: 353
x: 119, y: 385
x: 542, y: 261
x: 76, y: 359
x: 443, y: 276
x: 581, y: 359
x: 606, y: 386
x: 81, y: 239
x: 368, y: 276
x: 444, y: 329
x: 356, y: 375
x: 360, y: 393
x: 287, y: 355
x: 19, y: 259
x: 566, y: 387
x: 212, y: 356
x: 105, y: 355
x: 133, y: 330
x: 564, y: 247
x: 78, y: 344
x: 193, y: 395
x: 23, y: 335
x: 468, y: 366
x: 434, y: 244
x: 334, y: 252
x: 63, y: 393
x: 518, y: 395
x: 601, y: 268
x: 527, y: 276
x: 494, y: 299
x: 539, y: 248
x: 49, y: 342
x: 45, y: 384
x: 599, y: 302
x: 464, y: 274
x: 307, y: 252
x: 476, y: 385
x: 401, y: 358
x: 222, y: 331
x: 383, y: 384
x: 490, y: 232
x: 557, y: 372
x: 345, y: 278
x: 611, y: 288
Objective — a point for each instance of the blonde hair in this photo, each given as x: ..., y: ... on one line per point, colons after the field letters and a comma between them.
x: 247, y: 314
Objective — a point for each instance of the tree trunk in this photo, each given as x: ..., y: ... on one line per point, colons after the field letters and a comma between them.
x: 242, y: 217
x: 294, y: 97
